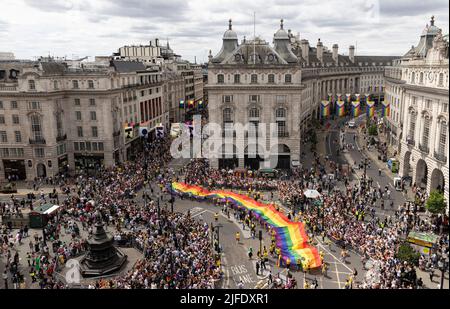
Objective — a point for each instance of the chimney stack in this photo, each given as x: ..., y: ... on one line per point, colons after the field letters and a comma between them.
x: 335, y: 53
x: 305, y: 49
x: 320, y: 51
x: 351, y: 53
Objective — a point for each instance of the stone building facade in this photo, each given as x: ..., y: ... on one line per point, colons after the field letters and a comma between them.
x: 417, y: 87
x: 283, y: 84
x: 58, y: 119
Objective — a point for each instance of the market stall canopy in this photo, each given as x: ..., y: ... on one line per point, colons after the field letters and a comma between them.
x: 46, y: 209
x: 51, y: 209
x: 312, y: 193
x: 423, y: 239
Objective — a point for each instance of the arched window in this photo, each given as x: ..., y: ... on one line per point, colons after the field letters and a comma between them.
x: 254, y: 79
x: 421, y: 78
x: 271, y: 79
x: 413, y: 77
x: 441, y: 80
x: 442, y: 139
x: 412, y: 126
x: 426, y: 130
x: 220, y: 79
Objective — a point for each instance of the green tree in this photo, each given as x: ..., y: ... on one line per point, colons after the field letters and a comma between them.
x: 373, y: 130
x: 407, y: 253
x: 436, y: 202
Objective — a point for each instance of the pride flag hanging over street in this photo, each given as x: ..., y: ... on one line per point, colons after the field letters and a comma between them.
x: 325, y: 108
x: 356, y: 108
x: 340, y: 108
x: 370, y: 109
x: 386, y: 109
x: 290, y: 236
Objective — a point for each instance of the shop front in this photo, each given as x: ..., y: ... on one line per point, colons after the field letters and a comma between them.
x: 89, y: 163
x: 14, y: 169
x: 63, y: 165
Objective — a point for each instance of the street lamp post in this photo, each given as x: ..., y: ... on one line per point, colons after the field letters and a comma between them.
x: 442, y: 265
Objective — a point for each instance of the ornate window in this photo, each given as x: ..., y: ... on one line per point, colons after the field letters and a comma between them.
x: 288, y: 78
x: 280, y: 112
x: 426, y: 130
x: 441, y: 80
x: 412, y: 125
x: 442, y: 139
x: 220, y: 79
x: 237, y: 78
x: 271, y: 79
x: 31, y: 85
x: 254, y: 78
x: 421, y: 78
x: 413, y: 77
x: 36, y: 127
x: 227, y: 115
x: 253, y: 112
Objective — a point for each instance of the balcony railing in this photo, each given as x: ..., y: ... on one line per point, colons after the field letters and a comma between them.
x: 424, y: 148
x: 440, y: 157
x: 37, y: 141
x: 61, y: 138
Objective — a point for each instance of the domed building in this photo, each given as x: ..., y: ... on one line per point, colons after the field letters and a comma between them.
x: 253, y: 84
x: 417, y: 88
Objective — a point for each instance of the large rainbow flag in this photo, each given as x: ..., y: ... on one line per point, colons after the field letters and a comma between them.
x: 386, y: 109
x: 356, y: 108
x: 290, y: 236
x: 340, y: 108
x: 325, y: 108
x: 370, y: 109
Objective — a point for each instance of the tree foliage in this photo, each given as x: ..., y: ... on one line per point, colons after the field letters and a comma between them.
x: 407, y: 253
x: 436, y: 202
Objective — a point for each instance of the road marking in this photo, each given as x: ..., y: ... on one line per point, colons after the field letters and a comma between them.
x: 198, y: 214
x: 321, y: 245
x: 337, y: 275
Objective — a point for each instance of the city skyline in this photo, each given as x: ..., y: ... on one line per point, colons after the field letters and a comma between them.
x: 111, y: 24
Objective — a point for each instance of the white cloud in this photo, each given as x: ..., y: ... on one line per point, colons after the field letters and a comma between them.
x: 99, y: 27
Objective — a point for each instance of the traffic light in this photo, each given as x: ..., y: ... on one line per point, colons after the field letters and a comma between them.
x: 181, y: 103
x: 200, y: 103
x: 191, y: 103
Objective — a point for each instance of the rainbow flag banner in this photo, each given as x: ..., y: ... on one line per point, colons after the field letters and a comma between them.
x: 290, y: 236
x: 386, y: 109
x: 340, y: 108
x: 356, y: 108
x: 370, y: 109
x: 325, y: 108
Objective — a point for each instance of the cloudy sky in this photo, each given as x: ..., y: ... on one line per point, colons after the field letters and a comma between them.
x: 78, y: 28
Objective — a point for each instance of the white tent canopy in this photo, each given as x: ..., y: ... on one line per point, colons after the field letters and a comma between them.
x: 312, y: 193
x: 51, y: 209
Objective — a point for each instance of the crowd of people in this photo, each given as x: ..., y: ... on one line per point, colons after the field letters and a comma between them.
x: 347, y: 217
x: 176, y: 249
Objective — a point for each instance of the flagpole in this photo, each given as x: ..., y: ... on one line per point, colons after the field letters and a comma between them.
x: 254, y: 37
